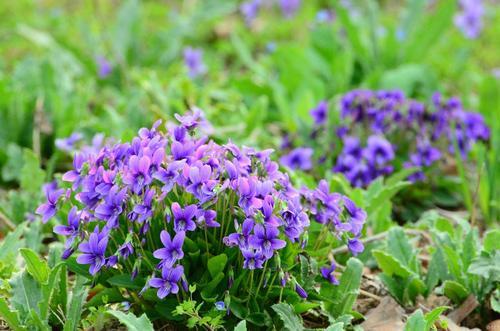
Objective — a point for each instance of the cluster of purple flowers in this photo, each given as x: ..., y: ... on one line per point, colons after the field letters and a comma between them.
x: 184, y: 185
x: 380, y: 128
x: 250, y: 9
x: 470, y: 18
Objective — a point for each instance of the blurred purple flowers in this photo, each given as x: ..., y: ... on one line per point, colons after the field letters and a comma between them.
x: 383, y: 131
x: 470, y: 18
x: 193, y: 59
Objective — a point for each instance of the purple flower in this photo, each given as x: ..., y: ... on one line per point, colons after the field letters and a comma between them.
x: 72, y: 229
x: 68, y: 144
x: 207, y: 218
x: 168, y: 282
x: 220, y: 305
x: 325, y: 16
x: 355, y: 246
x: 265, y: 239
x: 300, y: 291
x: 289, y: 7
x: 172, y: 251
x: 49, y: 209
x: 469, y: 19
x: 112, y: 207
x: 320, y: 113
x: 104, y: 67
x: 126, y: 249
x: 194, y: 62
x: 253, y: 259
x: 250, y: 10
x: 93, y: 251
x: 183, y: 218
x: 74, y: 175
x: 378, y: 151
x: 169, y: 175
x: 299, y: 158
x: 241, y: 239
x: 145, y: 210
x: 357, y: 216
x: 328, y: 273
x: 138, y: 175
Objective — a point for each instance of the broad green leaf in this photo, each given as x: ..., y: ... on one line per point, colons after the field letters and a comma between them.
x: 290, y: 320
x: 25, y: 293
x: 398, y: 245
x: 11, y: 317
x: 75, y: 304
x: 50, y: 289
x: 217, y: 264
x: 125, y: 281
x: 433, y: 316
x: 241, y: 326
x: 386, y: 194
x: 77, y: 268
x: 390, y: 265
x: 416, y: 321
x: 437, y: 270
x: 486, y: 266
x: 133, y: 322
x: 339, y: 326
x: 491, y: 241
x: 400, y: 176
x: 344, y: 295
x: 37, y: 267
x: 455, y: 291
x: 11, y: 243
x: 32, y: 176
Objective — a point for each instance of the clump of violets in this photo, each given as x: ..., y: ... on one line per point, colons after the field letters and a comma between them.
x: 382, y: 131
x: 142, y: 208
x: 470, y: 18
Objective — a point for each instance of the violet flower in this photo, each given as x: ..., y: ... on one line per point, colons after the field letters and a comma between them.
x: 328, y: 274
x: 48, y: 210
x: 299, y: 158
x: 183, y: 218
x: 172, y: 251
x: 168, y: 282
x: 266, y: 240
x: 93, y: 251
x: 193, y: 59
x: 320, y: 113
x: 68, y: 144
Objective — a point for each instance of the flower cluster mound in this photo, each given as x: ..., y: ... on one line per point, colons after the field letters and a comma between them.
x: 383, y: 131
x: 164, y: 204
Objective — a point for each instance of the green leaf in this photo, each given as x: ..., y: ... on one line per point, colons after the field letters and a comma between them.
x: 491, y: 241
x: 399, y: 247
x: 77, y: 268
x: 11, y: 317
x: 75, y: 304
x: 386, y: 194
x: 32, y: 176
x: 416, y: 322
x: 486, y: 266
x: 133, y: 322
x: 50, y: 289
x: 437, y: 270
x: 36, y: 267
x: 339, y: 326
x: 290, y: 320
x: 455, y: 291
x: 390, y: 265
x: 217, y: 264
x: 344, y: 295
x: 433, y: 316
x: 11, y: 243
x: 25, y: 293
x: 124, y: 281
x: 241, y: 326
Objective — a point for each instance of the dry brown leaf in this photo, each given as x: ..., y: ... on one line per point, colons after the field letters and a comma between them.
x: 493, y: 326
x: 387, y: 316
